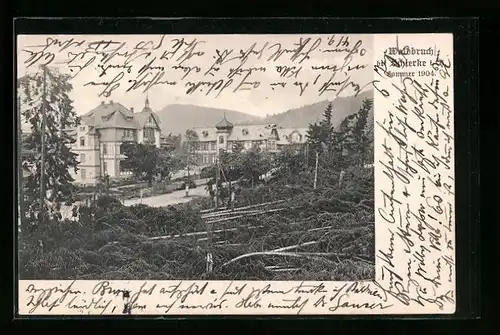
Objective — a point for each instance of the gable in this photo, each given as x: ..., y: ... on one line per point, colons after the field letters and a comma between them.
x: 110, y: 115
x: 147, y: 119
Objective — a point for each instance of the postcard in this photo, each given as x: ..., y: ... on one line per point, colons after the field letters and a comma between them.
x: 287, y: 174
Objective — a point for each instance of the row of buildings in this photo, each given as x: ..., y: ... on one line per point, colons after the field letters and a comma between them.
x: 104, y: 129
x: 224, y: 136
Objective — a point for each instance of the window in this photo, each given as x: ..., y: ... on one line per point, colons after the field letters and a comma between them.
x: 221, y: 139
x: 296, y: 137
x: 82, y: 158
x: 82, y: 141
x: 272, y: 145
x: 104, y: 149
x: 151, y: 133
x: 105, y: 168
x: 82, y: 128
x: 84, y: 174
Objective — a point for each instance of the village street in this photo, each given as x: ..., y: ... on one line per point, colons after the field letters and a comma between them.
x: 173, y: 198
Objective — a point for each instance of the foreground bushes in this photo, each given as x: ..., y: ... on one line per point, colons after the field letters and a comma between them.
x: 110, y: 241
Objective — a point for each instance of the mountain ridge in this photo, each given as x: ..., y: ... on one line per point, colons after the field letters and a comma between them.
x: 177, y: 118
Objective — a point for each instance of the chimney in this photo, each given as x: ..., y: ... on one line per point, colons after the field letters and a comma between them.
x: 132, y: 109
x: 110, y: 102
x: 102, y: 102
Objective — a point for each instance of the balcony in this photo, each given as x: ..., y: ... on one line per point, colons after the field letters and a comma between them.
x: 129, y: 138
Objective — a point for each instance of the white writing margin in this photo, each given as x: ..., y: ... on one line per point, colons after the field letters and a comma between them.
x: 414, y: 204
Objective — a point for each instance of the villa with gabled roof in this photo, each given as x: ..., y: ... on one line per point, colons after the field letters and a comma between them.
x: 224, y: 135
x: 102, y: 132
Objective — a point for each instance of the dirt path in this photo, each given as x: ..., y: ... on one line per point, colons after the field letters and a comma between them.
x: 175, y: 197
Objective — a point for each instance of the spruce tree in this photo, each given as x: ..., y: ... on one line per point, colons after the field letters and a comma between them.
x: 360, y: 131
x: 326, y: 123
x: 327, y: 129
x: 44, y: 95
x: 320, y: 136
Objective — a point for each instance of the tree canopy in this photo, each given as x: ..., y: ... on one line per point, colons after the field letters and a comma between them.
x: 351, y: 143
x: 147, y: 161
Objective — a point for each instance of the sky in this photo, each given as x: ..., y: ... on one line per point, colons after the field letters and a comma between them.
x: 68, y: 54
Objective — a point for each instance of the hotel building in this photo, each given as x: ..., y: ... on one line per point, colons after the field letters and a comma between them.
x: 101, y: 134
x: 224, y: 135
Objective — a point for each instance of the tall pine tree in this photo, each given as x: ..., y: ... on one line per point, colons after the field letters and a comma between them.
x: 320, y: 136
x: 355, y: 137
x: 44, y: 96
x: 362, y: 140
x: 326, y: 123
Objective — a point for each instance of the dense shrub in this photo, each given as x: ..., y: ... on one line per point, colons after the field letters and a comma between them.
x: 110, y: 241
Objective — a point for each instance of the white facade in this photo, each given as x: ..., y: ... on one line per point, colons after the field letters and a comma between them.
x: 224, y: 135
x: 100, y: 136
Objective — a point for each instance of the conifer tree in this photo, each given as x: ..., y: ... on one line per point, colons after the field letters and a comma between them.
x: 46, y: 106
x: 362, y: 141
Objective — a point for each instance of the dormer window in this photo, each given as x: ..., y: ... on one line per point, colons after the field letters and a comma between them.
x: 107, y: 117
x: 245, y: 131
x: 205, y: 133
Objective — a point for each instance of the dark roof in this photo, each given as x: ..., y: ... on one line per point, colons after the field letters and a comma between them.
x: 224, y: 124
x: 115, y: 115
x: 254, y: 132
x: 110, y: 115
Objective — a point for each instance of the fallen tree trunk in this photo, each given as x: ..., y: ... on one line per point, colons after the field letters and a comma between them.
x: 217, y: 215
x: 295, y: 246
x: 241, y: 208
x: 271, y: 253
x: 205, y: 232
x: 242, y: 216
